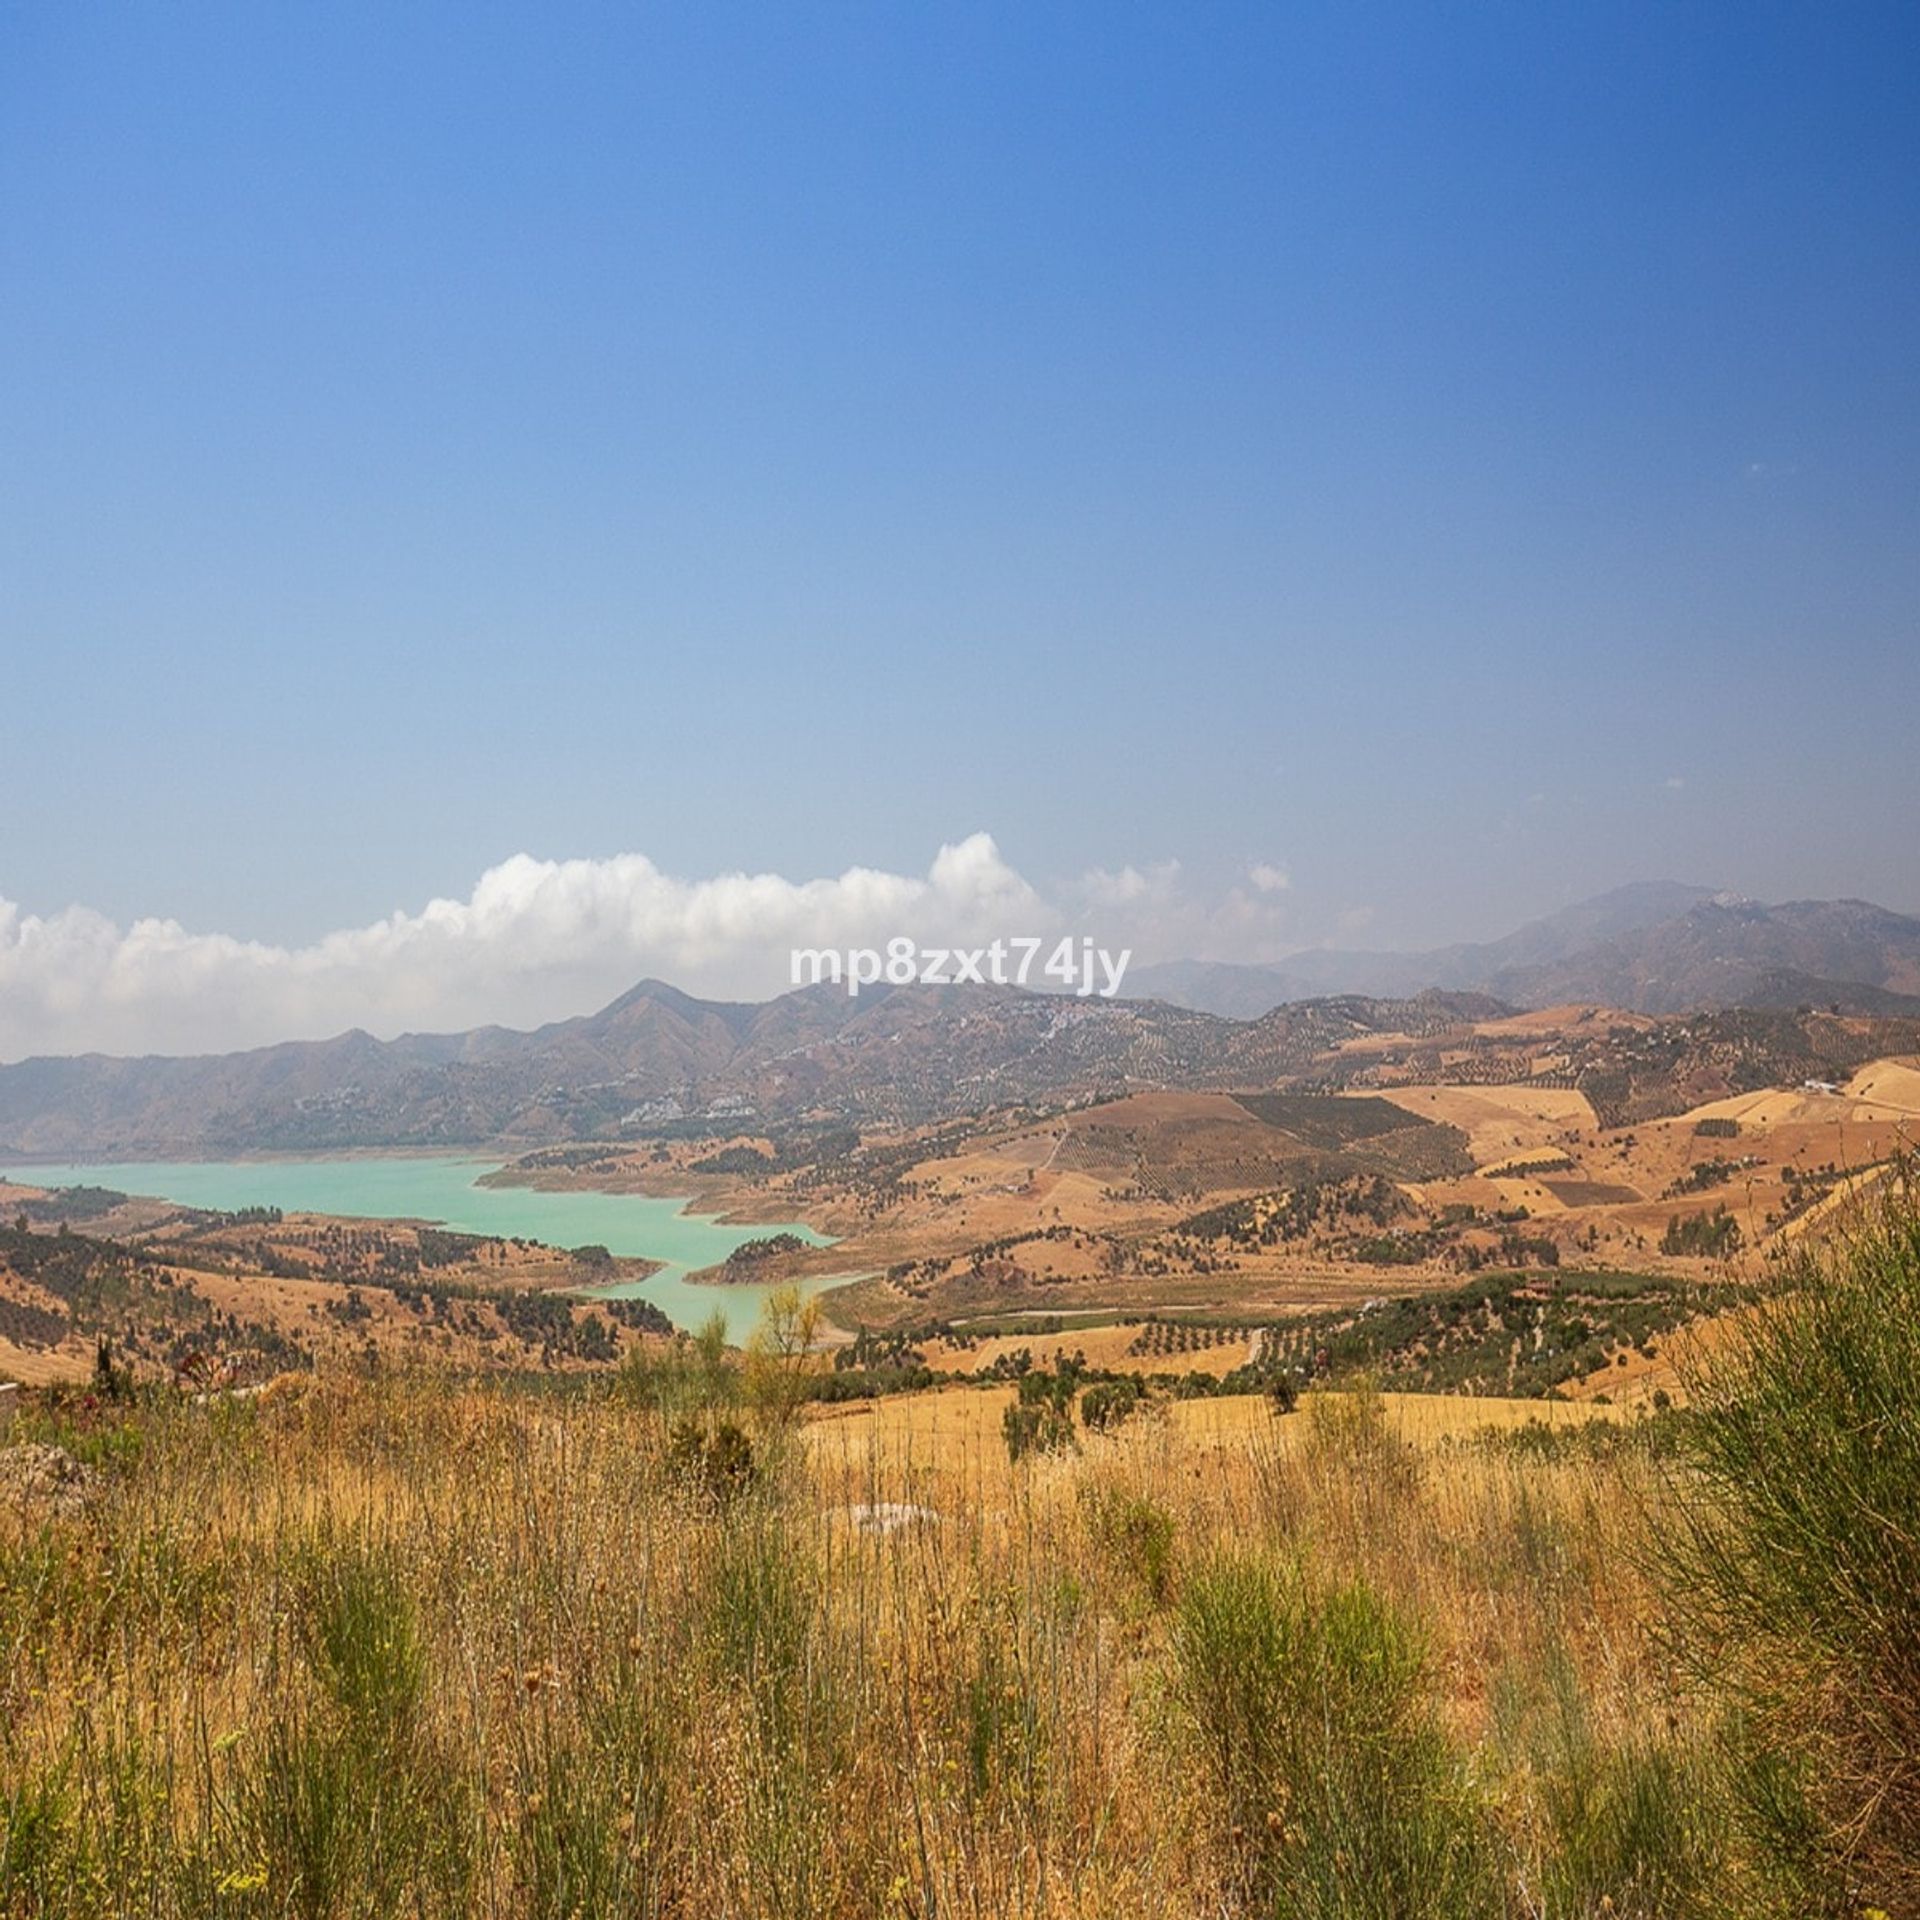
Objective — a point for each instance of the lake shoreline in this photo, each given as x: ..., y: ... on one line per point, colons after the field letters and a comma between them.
x: 452, y: 1191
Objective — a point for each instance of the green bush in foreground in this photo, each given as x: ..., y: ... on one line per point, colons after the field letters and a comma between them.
x: 1327, y: 1766
x: 1637, y: 1827
x: 1798, y: 1572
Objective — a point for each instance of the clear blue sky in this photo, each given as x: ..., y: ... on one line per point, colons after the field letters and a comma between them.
x: 1466, y: 455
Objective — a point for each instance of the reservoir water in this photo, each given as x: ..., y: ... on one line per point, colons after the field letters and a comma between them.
x: 441, y: 1189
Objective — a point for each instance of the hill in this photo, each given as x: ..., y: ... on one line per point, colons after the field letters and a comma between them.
x: 658, y: 1062
x: 239, y: 1296
x: 1655, y: 947
x: 656, y: 1058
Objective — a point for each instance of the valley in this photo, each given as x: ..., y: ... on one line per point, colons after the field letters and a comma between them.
x: 1500, y: 1164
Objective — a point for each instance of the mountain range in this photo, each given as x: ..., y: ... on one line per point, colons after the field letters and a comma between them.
x: 659, y: 1058
x: 1655, y: 947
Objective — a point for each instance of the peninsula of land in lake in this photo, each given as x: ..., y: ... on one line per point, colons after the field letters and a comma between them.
x: 453, y: 1192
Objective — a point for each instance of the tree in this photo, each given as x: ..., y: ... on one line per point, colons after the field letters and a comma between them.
x: 1108, y: 1403
x: 781, y: 1355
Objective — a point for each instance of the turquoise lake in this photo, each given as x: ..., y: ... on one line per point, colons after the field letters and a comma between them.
x: 442, y: 1189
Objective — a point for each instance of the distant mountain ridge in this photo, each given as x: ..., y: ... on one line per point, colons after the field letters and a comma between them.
x: 656, y: 1055
x: 1655, y: 947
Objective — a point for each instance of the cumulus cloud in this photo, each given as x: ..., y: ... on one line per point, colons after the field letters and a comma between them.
x: 1129, y: 886
x: 535, y: 940
x: 538, y: 940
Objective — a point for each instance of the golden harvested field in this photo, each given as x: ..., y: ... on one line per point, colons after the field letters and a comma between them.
x: 1101, y: 1346
x: 954, y: 1436
x: 1501, y: 1122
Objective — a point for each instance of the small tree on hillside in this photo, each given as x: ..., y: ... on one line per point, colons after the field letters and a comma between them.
x: 782, y: 1357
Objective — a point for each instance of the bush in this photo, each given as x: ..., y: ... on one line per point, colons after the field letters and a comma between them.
x: 1109, y: 1402
x: 348, y: 1796
x: 1800, y: 1565
x: 1629, y: 1826
x: 716, y: 1462
x: 1036, y: 1426
x: 1135, y: 1535
x: 1326, y: 1765
x: 691, y: 1373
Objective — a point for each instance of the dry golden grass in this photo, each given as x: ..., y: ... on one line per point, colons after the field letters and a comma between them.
x: 413, y: 1645
x: 920, y: 1431
x: 1101, y: 1346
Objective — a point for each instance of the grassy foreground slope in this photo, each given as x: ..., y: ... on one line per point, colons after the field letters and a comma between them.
x: 662, y: 1644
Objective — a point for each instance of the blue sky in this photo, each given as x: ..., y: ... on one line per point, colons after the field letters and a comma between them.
x: 1464, y: 457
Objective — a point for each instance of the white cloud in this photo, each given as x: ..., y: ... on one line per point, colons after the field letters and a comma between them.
x: 535, y: 940
x: 539, y: 940
x: 1160, y: 917
x: 1101, y: 888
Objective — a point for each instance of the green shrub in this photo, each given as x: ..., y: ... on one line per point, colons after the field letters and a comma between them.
x: 1325, y: 1765
x: 766, y: 1647
x: 594, y: 1799
x: 1135, y: 1535
x: 1108, y: 1403
x: 1798, y: 1564
x: 1630, y: 1826
x: 362, y: 1640
x: 347, y: 1805
x: 713, y: 1460
x: 691, y: 1373
x: 41, y: 1847
x: 1036, y: 1426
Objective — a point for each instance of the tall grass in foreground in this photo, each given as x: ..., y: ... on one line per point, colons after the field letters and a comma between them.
x: 415, y: 1646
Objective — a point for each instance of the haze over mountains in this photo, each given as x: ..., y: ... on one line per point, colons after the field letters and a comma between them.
x: 657, y: 1056
x: 1655, y: 947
